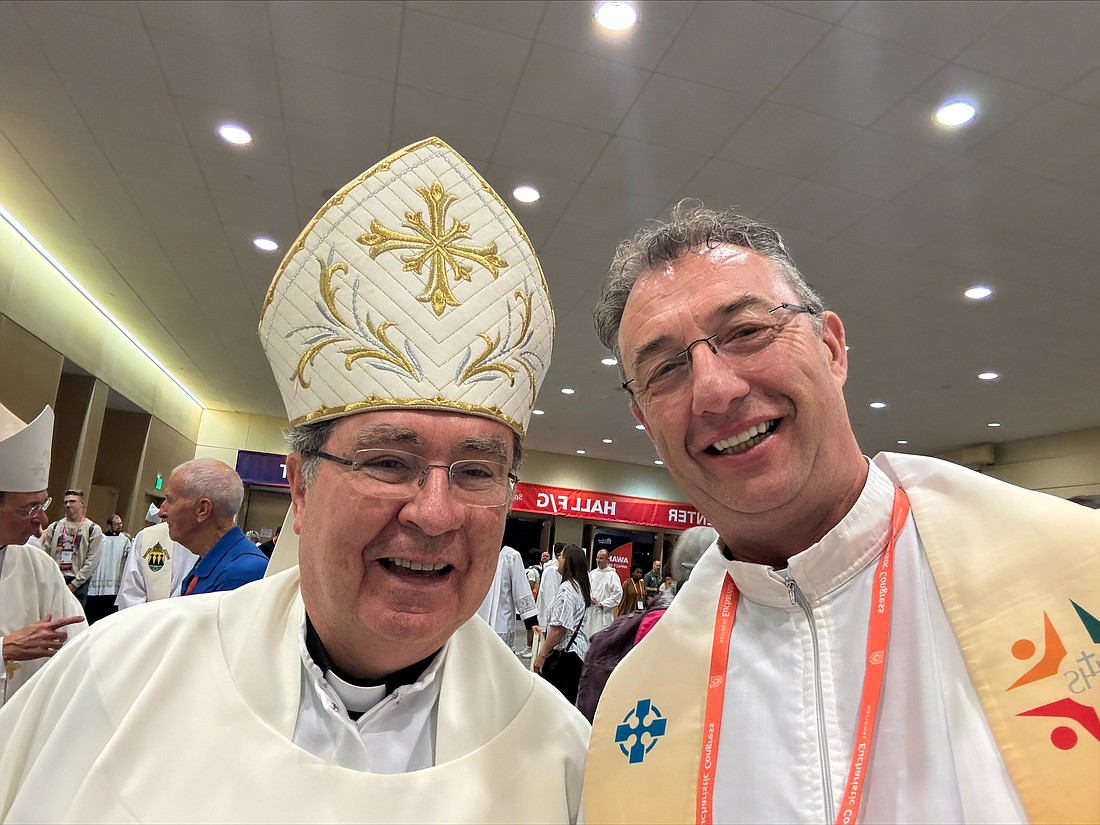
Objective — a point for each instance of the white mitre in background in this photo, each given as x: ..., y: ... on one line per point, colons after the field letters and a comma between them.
x: 25, y: 451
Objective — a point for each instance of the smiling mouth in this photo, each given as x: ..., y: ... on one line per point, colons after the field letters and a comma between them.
x: 745, y: 440
x: 416, y: 568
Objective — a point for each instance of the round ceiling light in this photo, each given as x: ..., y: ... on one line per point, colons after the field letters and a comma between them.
x: 265, y: 244
x: 878, y: 405
x: 659, y: 463
x: 993, y: 424
x: 956, y: 113
x: 616, y: 16
x: 237, y: 135
x: 538, y: 412
x: 609, y: 362
x: 989, y: 376
x: 567, y: 390
x: 639, y: 426
x: 580, y: 452
x: 978, y: 292
x: 526, y: 194
x: 607, y: 441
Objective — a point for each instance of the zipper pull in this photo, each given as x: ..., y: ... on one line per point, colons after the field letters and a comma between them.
x: 790, y: 590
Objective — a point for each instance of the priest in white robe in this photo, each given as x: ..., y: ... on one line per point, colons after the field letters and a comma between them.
x: 38, y: 611
x: 607, y: 592
x: 357, y: 686
x: 886, y: 641
x: 509, y: 595
x: 155, y: 568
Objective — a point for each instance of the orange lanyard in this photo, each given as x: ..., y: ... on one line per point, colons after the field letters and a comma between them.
x: 878, y: 633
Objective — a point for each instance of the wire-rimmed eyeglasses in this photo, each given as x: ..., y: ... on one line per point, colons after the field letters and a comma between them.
x: 745, y: 334
x: 32, y: 511
x: 396, y: 474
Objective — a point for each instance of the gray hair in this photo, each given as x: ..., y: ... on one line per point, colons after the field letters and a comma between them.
x: 308, y: 439
x: 215, y: 480
x: 689, y: 548
x: 691, y: 226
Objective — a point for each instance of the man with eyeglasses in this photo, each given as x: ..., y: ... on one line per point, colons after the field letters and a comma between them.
x: 38, y: 612
x: 867, y: 640
x: 409, y: 329
x: 74, y: 542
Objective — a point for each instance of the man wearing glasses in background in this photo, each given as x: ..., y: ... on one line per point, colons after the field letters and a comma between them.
x: 881, y: 641
x: 408, y: 329
x: 38, y: 612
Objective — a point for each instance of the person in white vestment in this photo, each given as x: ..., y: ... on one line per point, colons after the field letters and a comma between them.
x: 607, y: 591
x: 508, y: 595
x: 736, y: 370
x: 156, y: 566
x: 38, y: 611
x: 359, y: 685
x: 114, y: 550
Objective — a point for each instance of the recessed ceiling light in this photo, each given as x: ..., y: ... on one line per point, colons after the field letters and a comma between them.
x: 609, y: 362
x: 846, y: 347
x: 659, y: 463
x: 616, y: 16
x: 989, y: 376
x: 878, y: 405
x: 567, y: 390
x: 956, y: 113
x: 639, y: 426
x: 993, y: 424
x: 607, y: 441
x: 978, y: 292
x: 526, y: 193
x: 903, y: 442
x: 266, y: 244
x: 538, y: 412
x: 580, y: 452
x: 237, y: 135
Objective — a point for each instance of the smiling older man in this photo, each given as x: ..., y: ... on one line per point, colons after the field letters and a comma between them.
x: 862, y: 642
x: 409, y: 329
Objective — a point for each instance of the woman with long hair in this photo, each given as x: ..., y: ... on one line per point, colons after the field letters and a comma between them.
x: 562, y: 654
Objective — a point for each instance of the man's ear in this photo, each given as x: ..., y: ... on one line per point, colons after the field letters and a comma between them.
x: 204, y: 509
x: 297, y: 489
x: 833, y: 337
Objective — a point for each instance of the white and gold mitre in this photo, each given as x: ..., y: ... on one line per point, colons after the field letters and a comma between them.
x: 414, y: 286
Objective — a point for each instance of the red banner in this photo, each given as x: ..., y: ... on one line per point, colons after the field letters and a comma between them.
x: 561, y: 501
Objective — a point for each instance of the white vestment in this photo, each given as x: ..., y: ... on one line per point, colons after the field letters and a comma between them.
x: 113, y: 552
x: 31, y: 588
x: 155, y: 567
x: 234, y: 661
x: 509, y: 594
x: 802, y: 709
x: 607, y: 590
x: 548, y: 588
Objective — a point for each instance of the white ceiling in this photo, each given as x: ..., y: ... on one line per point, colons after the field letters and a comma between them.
x: 815, y: 116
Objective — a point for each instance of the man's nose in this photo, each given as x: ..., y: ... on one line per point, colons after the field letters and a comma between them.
x: 716, y: 381
x: 433, y: 510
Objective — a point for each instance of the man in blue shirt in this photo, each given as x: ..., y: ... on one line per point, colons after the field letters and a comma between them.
x: 201, y: 501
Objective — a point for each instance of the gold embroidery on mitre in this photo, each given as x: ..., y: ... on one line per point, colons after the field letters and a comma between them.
x: 338, y: 331
x: 471, y: 369
x: 437, y: 402
x: 434, y: 245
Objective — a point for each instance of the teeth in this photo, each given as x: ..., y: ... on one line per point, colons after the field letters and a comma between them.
x: 741, y: 438
x: 415, y: 565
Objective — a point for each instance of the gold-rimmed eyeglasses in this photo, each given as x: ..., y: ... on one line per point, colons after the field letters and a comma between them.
x: 744, y: 334
x: 31, y: 511
x: 397, y: 474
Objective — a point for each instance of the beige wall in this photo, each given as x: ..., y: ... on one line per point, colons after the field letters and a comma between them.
x: 121, y: 445
x: 29, y: 370
x: 165, y: 449
x: 1065, y: 465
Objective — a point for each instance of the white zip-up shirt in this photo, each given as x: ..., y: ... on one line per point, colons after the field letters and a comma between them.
x: 795, y: 677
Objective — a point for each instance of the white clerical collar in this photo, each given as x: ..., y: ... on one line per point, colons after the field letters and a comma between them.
x: 363, y: 698
x: 827, y: 564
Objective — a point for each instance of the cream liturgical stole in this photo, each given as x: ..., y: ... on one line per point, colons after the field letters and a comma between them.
x: 227, y: 755
x: 155, y: 553
x: 1018, y: 574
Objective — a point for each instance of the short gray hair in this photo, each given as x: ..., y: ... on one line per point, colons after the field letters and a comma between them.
x: 689, y: 548
x: 689, y: 227
x: 308, y: 439
x: 215, y: 480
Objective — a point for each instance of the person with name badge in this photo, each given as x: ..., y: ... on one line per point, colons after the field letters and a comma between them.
x: 408, y: 328
x: 868, y: 640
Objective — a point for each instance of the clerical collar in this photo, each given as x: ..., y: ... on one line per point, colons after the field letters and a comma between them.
x: 405, y: 676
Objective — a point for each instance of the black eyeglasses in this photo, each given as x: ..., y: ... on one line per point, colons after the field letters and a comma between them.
x: 743, y: 335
